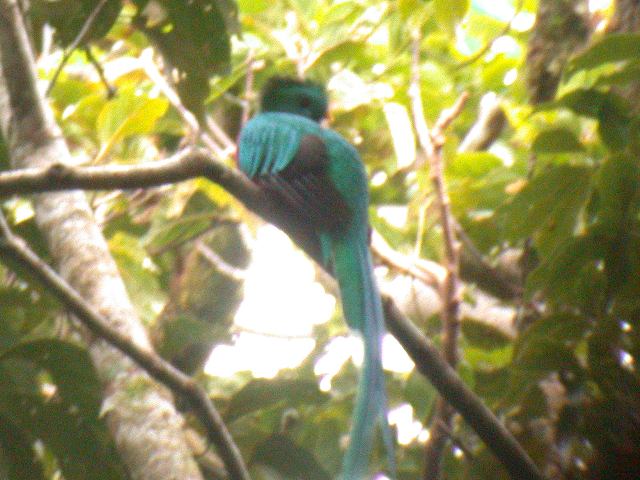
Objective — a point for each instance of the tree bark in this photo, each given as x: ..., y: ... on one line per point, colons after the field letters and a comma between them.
x: 140, y: 414
x: 561, y: 28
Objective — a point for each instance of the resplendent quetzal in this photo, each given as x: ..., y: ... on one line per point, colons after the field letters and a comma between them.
x: 320, y: 178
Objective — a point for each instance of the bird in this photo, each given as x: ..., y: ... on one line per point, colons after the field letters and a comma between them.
x: 318, y: 176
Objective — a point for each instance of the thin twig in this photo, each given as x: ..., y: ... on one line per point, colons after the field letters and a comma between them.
x: 487, y: 46
x: 457, y: 441
x: 249, y: 92
x: 260, y: 333
x: 217, y: 131
x: 150, y: 68
x: 17, y: 249
x: 429, y: 273
x: 487, y: 128
x: 111, y: 91
x: 432, y: 142
x: 220, y: 263
x: 76, y: 42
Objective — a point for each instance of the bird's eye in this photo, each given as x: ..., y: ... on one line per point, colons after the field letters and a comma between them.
x: 305, y: 102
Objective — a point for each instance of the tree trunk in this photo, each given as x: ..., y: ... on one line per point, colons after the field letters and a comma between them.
x: 140, y: 414
x: 561, y: 28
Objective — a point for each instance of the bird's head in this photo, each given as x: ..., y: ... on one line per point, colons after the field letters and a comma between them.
x: 295, y: 96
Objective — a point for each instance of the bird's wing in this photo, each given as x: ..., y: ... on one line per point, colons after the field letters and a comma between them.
x: 286, y: 154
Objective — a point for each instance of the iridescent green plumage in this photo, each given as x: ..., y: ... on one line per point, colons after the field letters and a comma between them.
x: 319, y: 177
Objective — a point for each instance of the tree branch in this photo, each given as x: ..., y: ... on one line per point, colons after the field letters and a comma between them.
x: 487, y: 128
x: 481, y: 53
x: 432, y: 142
x: 151, y: 70
x: 430, y: 273
x: 86, y: 27
x: 430, y: 363
x: 17, y: 249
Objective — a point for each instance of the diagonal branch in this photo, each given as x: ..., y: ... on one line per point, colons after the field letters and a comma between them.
x: 430, y: 363
x: 86, y: 27
x: 17, y: 249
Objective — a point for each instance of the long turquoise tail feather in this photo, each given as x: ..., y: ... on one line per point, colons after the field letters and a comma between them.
x: 320, y: 178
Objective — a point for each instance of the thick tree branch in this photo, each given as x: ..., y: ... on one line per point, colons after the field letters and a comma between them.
x: 189, y: 163
x: 561, y: 29
x: 430, y: 363
x: 16, y: 249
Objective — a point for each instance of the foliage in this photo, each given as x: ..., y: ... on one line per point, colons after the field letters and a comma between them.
x: 560, y: 186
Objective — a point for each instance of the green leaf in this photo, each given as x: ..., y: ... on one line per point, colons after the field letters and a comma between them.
x: 450, y: 12
x: 621, y: 77
x: 566, y: 329
x: 176, y: 231
x: 184, y: 334
x: 221, y: 85
x: 194, y: 39
x: 66, y: 418
x: 536, y: 360
x: 483, y: 359
x: 138, y: 273
x: 260, y: 394
x: 70, y: 368
x: 610, y: 109
x: 539, y: 357
x: 290, y: 460
x: 557, y: 140
x: 17, y: 457
x: 130, y: 113
x: 615, y: 47
x: 614, y: 124
x: 560, y: 273
x: 617, y: 183
x: 548, y: 206
x: 408, y: 7
x: 587, y: 102
x: 419, y: 393
x: 473, y: 164
x: 80, y: 443
x: 483, y: 335
x: 69, y: 17
x: 251, y: 7
x: 21, y: 311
